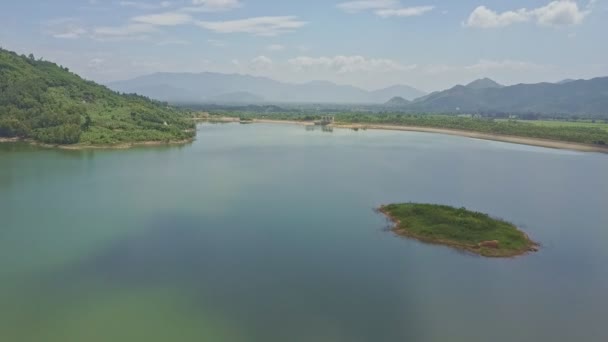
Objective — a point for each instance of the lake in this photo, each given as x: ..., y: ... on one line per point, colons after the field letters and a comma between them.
x: 268, y: 233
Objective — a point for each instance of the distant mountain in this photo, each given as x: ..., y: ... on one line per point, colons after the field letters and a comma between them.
x: 484, y: 83
x: 403, y: 91
x: 166, y: 93
x: 207, y: 87
x: 567, y: 80
x: 397, y: 102
x: 588, y: 97
x: 237, y: 97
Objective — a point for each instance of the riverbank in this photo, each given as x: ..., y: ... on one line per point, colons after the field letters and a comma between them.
x: 563, y: 145
x: 555, y: 144
x: 121, y: 146
x: 458, y: 228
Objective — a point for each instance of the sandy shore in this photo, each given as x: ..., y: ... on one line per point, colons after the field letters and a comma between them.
x: 564, y: 145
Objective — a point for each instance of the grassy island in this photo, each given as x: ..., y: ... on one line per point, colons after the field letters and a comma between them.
x: 458, y: 228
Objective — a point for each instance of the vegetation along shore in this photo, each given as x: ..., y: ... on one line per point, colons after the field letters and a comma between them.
x: 569, y: 136
x: 45, y: 103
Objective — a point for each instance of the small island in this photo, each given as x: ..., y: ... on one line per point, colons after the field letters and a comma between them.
x: 458, y: 228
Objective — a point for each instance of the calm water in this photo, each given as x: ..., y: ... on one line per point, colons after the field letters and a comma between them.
x: 267, y: 233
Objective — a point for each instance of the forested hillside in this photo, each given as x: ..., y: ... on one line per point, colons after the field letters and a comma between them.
x: 42, y: 101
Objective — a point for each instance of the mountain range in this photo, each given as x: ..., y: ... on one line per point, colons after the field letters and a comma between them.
x: 572, y: 97
x: 234, y: 88
x: 485, y: 96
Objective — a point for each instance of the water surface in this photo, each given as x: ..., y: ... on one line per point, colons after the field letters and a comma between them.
x: 267, y: 233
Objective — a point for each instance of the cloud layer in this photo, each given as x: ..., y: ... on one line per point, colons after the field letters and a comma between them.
x: 384, y: 8
x: 556, y: 13
x: 259, y: 26
x: 347, y: 64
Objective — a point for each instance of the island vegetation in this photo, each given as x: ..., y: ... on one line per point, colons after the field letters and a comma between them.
x: 43, y: 102
x: 458, y: 228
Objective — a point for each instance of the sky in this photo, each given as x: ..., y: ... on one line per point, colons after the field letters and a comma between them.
x: 428, y: 44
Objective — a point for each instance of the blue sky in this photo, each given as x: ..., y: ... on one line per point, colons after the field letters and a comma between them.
x: 429, y: 44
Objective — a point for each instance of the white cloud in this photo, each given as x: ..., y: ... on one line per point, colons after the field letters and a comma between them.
x: 561, y: 13
x: 259, y: 26
x: 275, y: 47
x: 348, y: 64
x: 364, y: 5
x: 404, y: 12
x: 66, y: 28
x: 384, y: 8
x: 213, y: 5
x: 145, y: 5
x: 556, y: 13
x: 261, y: 63
x: 482, y: 17
x: 164, y: 19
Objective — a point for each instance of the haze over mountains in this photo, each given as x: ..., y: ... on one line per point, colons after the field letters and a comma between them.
x: 234, y: 88
x: 568, y: 97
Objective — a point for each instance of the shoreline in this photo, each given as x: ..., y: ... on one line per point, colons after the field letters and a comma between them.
x: 538, y: 142
x: 404, y: 233
x: 121, y: 146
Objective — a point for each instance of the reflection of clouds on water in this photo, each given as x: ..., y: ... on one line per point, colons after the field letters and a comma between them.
x: 264, y: 288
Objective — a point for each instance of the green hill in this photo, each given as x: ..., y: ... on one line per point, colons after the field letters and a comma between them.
x: 42, y: 101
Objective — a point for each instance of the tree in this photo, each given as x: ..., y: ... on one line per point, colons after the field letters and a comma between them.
x: 87, y: 123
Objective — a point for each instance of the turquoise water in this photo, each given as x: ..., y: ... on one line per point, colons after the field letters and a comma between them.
x: 267, y: 233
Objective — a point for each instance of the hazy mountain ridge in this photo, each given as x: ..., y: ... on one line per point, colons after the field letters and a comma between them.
x: 577, y: 97
x: 484, y: 83
x: 242, y: 97
x: 581, y: 97
x: 397, y: 101
x: 207, y: 86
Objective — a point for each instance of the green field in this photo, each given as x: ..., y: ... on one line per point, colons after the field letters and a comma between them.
x: 552, y: 123
x: 584, y: 132
x: 587, y: 124
x: 458, y: 228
